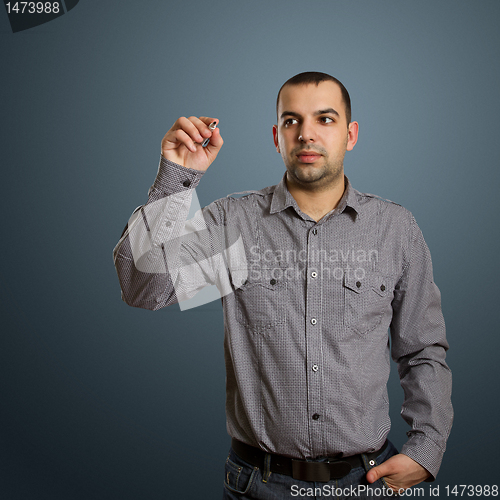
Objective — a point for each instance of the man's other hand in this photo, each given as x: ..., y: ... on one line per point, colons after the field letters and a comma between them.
x: 399, y: 472
x: 182, y: 143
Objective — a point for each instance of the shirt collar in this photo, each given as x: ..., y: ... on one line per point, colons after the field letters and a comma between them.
x: 283, y: 199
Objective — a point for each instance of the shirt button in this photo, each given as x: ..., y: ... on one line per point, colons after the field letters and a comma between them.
x: 314, y: 321
x: 168, y: 223
x: 315, y: 368
x: 186, y: 183
x: 314, y: 274
x: 315, y: 416
x: 382, y: 287
x: 273, y: 282
x: 358, y: 283
x: 315, y: 231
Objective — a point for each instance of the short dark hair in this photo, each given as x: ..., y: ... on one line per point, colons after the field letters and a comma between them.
x: 316, y: 77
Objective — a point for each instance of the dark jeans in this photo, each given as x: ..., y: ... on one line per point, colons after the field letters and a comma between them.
x: 244, y: 481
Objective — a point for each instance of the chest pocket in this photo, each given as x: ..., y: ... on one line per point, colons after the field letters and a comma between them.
x: 260, y: 301
x: 367, y: 300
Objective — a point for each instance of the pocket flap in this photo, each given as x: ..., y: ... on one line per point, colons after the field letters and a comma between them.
x: 370, y: 281
x: 358, y: 285
x: 266, y: 278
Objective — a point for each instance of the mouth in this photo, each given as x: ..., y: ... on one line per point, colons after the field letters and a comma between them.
x: 308, y: 156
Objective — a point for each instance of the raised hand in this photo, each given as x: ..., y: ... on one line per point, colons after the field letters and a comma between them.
x: 182, y: 144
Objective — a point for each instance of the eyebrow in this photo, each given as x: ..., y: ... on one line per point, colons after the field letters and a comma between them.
x: 317, y: 113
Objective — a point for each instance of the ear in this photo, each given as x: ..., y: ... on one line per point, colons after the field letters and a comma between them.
x: 352, y: 135
x: 275, y: 137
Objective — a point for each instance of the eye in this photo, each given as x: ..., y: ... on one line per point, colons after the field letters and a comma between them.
x: 327, y: 119
x: 290, y: 121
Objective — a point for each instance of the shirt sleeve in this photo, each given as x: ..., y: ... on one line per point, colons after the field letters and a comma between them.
x: 419, y: 347
x: 170, y: 248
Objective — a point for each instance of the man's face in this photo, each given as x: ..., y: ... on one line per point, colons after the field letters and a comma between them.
x: 313, y: 135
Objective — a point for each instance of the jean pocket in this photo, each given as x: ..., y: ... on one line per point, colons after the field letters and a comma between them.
x: 238, y: 478
x: 388, y: 488
x: 389, y: 452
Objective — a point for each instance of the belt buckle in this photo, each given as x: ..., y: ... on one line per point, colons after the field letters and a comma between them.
x: 321, y: 472
x: 339, y: 469
x: 311, y: 471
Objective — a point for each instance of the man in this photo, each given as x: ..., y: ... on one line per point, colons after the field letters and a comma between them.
x: 312, y: 275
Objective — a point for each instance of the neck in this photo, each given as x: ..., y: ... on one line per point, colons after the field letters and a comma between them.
x: 317, y: 202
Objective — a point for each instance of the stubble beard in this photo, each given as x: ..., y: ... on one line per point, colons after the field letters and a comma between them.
x: 315, y: 177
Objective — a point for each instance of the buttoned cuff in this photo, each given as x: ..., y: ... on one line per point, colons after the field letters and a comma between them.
x: 173, y: 178
x: 425, y: 452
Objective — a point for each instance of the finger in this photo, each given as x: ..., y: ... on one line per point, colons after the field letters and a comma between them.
x: 189, y: 127
x: 178, y: 137
x: 202, y: 124
x: 377, y: 472
x: 210, y: 124
x: 216, y: 141
x: 207, y: 120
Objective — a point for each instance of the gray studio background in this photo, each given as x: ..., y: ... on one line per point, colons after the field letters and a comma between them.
x: 103, y: 401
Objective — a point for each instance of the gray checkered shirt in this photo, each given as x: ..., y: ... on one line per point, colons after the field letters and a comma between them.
x: 308, y: 307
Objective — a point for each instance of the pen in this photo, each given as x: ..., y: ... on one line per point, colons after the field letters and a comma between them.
x: 207, y: 140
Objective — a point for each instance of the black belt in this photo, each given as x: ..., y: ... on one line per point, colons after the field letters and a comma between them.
x: 333, y: 468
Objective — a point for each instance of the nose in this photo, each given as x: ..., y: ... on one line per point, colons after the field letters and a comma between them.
x: 306, y: 133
